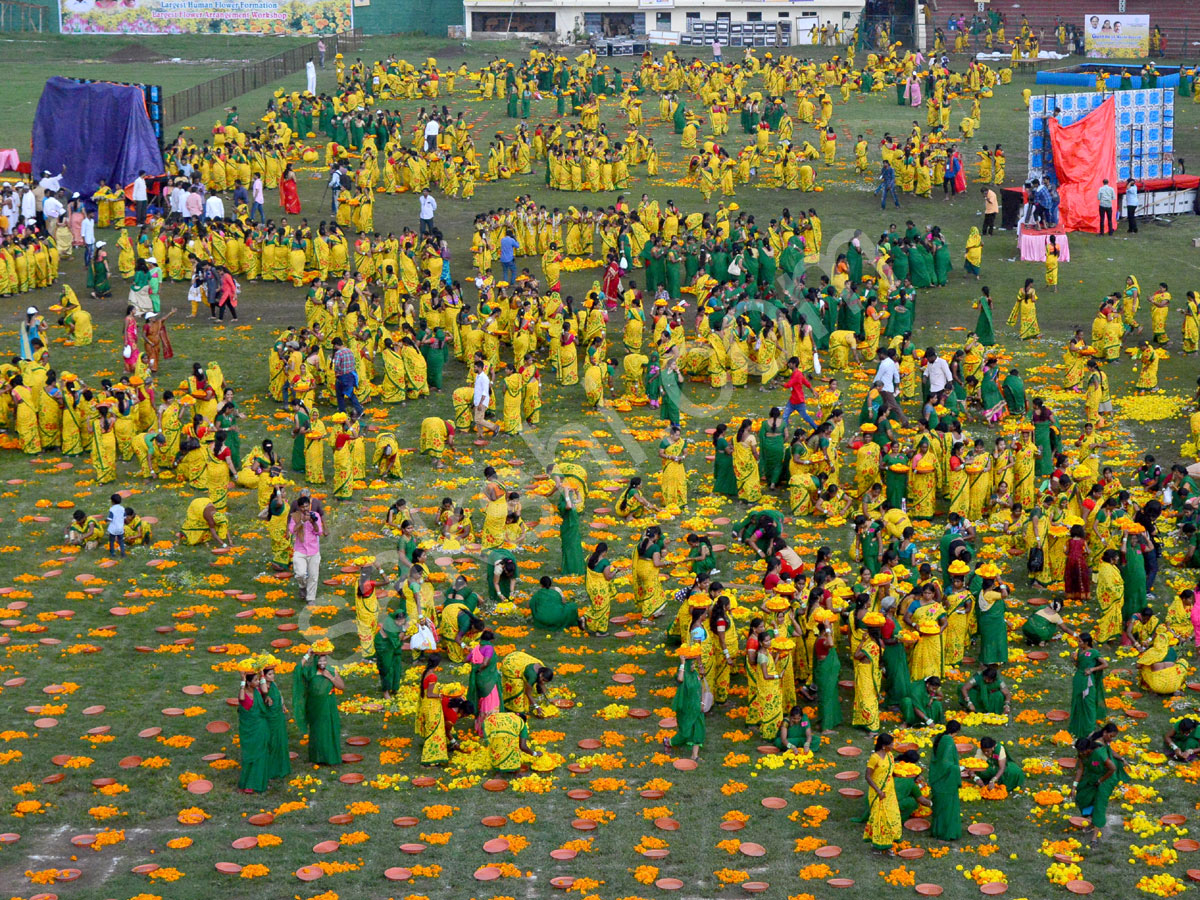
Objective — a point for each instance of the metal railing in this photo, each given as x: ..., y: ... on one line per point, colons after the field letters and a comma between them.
x: 224, y: 88
x: 18, y: 16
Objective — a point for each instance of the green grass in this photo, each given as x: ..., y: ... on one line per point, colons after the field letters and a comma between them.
x: 136, y: 686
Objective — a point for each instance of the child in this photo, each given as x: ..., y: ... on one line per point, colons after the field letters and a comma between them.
x: 116, y: 524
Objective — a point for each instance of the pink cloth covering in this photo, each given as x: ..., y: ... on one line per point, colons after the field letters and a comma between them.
x: 1033, y: 246
x: 9, y: 160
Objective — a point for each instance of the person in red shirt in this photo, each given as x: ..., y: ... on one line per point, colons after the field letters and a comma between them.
x: 453, y: 708
x: 797, y: 384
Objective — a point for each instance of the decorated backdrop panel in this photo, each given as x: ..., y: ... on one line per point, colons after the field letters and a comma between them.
x: 205, y: 16
x: 1145, y: 124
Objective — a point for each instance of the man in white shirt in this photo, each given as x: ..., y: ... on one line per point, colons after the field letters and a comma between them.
x: 1131, y: 205
x: 256, y: 200
x: 28, y: 208
x: 52, y: 211
x: 214, y: 207
x: 481, y: 400
x: 428, y: 208
x: 432, y: 129
x: 887, y: 376
x: 87, y: 231
x: 50, y: 183
x: 937, y: 371
x: 1106, y: 198
x: 140, y: 197
x: 310, y: 73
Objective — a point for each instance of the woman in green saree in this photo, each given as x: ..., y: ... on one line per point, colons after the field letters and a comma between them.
x: 688, y: 702
x: 772, y: 438
x: 499, y: 572
x: 724, y: 481
x: 945, y: 778
x: 279, y: 763
x: 315, y: 706
x: 549, y: 609
x: 1087, y: 688
x: 1002, y: 767
x: 990, y: 610
x: 570, y: 533
x: 796, y: 733
x: 1096, y: 775
x: 827, y: 670
x: 984, y: 325
x: 986, y: 692
x: 389, y: 659
x: 254, y: 732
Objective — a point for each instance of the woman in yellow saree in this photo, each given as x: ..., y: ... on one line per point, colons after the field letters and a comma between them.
x: 745, y: 463
x: 391, y: 389
x: 672, y: 481
x: 649, y: 555
x: 598, y: 583
x: 366, y: 609
x: 507, y: 738
x: 314, y: 452
x: 416, y: 373
x: 514, y: 395
x: 768, y: 700
x: 922, y: 483
x: 868, y: 678
x: 436, y: 435
x: 568, y: 356
x: 495, y: 514
x: 930, y: 620
x: 26, y: 417
x: 1158, y: 666
x: 1110, y: 595
x: 343, y: 465
x: 104, y: 446
x: 431, y: 723
x: 593, y: 383
x: 956, y: 483
x: 1024, y: 312
x: 883, y: 826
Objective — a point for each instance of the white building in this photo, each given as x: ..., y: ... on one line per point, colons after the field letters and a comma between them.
x: 738, y: 23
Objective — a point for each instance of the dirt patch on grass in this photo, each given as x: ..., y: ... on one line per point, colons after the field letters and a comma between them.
x: 134, y: 53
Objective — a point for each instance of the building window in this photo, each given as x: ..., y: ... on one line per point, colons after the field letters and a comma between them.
x: 753, y: 17
x: 663, y: 20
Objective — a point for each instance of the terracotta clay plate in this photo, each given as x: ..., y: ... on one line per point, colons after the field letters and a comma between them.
x: 666, y: 824
x: 351, y: 778
x: 1173, y: 819
x: 244, y: 843
x: 852, y: 793
x: 9, y: 837
x: 840, y: 882
x: 309, y: 873
x: 917, y: 824
x: 754, y: 887
x: 562, y: 882
x: 1187, y: 845
x: 774, y: 802
x: 583, y: 825
x: 487, y: 873
x: 981, y: 829
x: 829, y: 851
x: 590, y: 744
x: 1037, y: 655
x: 341, y: 818
x: 261, y: 820
x: 423, y: 781
x: 397, y: 873
x: 1079, y: 886
x: 1058, y: 715
x: 495, y: 784
x: 749, y: 849
x: 651, y: 794
x: 325, y: 846
x: 928, y: 889
x: 410, y: 821
x: 1193, y: 874
x: 199, y: 786
x: 848, y: 751
x: 412, y: 849
x: 623, y: 678
x: 911, y: 853
x: 563, y: 853
x: 358, y: 741
x: 685, y: 765
x: 656, y: 853
x: 847, y: 776
x: 579, y: 793
x: 228, y: 868
x: 490, y: 821
x: 668, y: 884
x: 495, y: 845
x: 993, y: 887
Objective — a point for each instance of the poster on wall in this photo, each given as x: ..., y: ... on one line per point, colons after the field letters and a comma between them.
x: 295, y: 17
x: 1109, y: 36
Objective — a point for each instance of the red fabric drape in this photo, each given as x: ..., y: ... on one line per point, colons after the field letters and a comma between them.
x: 1085, y: 153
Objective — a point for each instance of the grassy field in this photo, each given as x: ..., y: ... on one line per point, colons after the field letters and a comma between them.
x: 137, y: 660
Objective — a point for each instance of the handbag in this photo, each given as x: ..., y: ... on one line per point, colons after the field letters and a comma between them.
x: 816, y: 363
x: 734, y: 269
x: 1036, y: 561
x: 424, y: 639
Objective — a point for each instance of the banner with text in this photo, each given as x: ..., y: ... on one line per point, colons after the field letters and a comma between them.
x: 293, y: 17
x: 1109, y: 36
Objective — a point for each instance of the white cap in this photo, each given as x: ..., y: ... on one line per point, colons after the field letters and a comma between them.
x: 100, y: 244
x: 151, y: 259
x: 32, y: 311
x: 150, y: 315
x: 75, y: 196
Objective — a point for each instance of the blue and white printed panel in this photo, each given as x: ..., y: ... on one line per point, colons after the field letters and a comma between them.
x: 1145, y: 130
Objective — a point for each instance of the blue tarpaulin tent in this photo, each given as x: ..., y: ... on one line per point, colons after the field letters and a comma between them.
x: 97, y: 131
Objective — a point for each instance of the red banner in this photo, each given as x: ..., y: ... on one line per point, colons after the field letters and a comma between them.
x: 1085, y: 154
